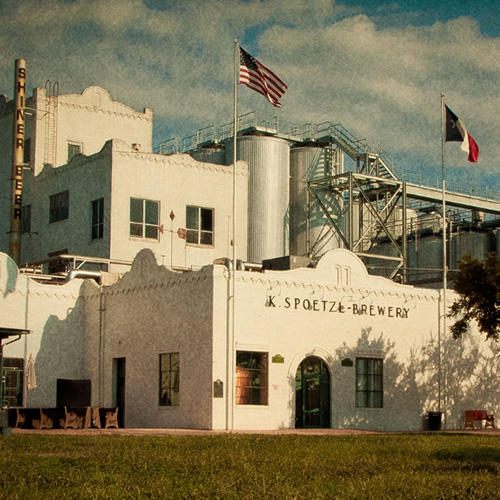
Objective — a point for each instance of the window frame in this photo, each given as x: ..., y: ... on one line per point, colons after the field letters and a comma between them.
x: 197, y: 234
x: 169, y: 379
x: 59, y: 207
x: 12, y: 368
x: 252, y: 383
x: 369, y: 382
x: 145, y: 227
x: 97, y: 219
x: 26, y: 219
x: 72, y: 147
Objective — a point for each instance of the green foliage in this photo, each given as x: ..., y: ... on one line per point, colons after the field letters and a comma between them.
x: 478, y: 287
x: 240, y: 467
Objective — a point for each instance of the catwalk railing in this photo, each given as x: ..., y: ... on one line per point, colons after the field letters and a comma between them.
x: 326, y: 131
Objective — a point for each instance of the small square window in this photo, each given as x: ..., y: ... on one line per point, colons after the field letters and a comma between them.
x: 200, y: 225
x: 59, y: 207
x: 73, y: 149
x: 144, y: 218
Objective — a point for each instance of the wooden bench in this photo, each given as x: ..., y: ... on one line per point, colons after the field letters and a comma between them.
x: 72, y: 419
x: 110, y: 417
x: 45, y: 421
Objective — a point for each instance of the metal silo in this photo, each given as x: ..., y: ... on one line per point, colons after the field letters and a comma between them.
x: 268, y: 194
x: 425, y: 258
x: 476, y: 243
x: 310, y: 233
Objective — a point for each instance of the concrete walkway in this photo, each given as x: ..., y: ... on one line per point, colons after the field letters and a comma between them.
x: 198, y: 432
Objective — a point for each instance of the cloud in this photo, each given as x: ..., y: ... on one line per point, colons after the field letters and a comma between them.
x: 379, y: 77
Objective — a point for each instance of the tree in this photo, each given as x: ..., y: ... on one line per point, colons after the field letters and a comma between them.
x: 478, y: 287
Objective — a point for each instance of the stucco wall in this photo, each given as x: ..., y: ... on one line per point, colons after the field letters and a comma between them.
x: 314, y: 312
x: 92, y: 118
x: 177, y: 181
x: 153, y: 311
x: 86, y: 179
x: 335, y: 312
x: 57, y: 338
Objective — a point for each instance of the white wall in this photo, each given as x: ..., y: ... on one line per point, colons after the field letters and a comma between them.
x: 176, y: 181
x: 57, y: 338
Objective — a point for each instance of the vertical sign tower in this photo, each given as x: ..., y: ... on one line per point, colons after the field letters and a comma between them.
x: 17, y: 160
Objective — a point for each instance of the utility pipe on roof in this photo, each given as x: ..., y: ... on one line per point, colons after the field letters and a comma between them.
x: 81, y: 274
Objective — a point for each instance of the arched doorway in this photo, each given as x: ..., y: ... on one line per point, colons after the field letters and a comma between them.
x: 312, y: 394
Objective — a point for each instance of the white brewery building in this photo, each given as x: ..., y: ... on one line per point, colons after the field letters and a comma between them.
x: 127, y: 293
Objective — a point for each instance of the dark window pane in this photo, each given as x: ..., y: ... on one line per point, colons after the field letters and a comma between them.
x: 192, y: 237
x: 206, y: 219
x: 192, y: 217
x: 206, y: 238
x: 151, y: 232
x: 151, y: 212
x: 136, y: 210
x: 136, y: 230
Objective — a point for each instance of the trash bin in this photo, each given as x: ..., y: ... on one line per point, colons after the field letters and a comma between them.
x: 434, y: 420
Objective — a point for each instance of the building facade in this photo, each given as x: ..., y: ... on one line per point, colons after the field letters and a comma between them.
x: 329, y: 346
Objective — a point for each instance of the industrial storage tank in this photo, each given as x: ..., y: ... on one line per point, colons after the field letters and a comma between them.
x: 425, y: 259
x: 211, y: 153
x: 382, y: 267
x: 307, y: 163
x: 477, y: 243
x: 268, y: 194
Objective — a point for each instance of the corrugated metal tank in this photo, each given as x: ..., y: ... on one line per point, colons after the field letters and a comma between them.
x: 268, y: 194
x: 308, y: 163
x: 476, y: 243
x: 425, y: 258
x: 382, y: 267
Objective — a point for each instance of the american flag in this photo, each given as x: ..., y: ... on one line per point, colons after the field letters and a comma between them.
x: 256, y: 76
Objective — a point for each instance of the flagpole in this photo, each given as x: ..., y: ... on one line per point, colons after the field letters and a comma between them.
x: 231, y: 361
x: 445, y: 281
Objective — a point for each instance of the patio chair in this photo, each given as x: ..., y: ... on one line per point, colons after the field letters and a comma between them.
x: 111, y: 418
x: 71, y: 419
x: 45, y: 421
x: 469, y: 420
x: 490, y: 421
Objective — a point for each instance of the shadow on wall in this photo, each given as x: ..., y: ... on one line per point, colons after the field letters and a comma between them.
x: 8, y: 274
x: 62, y: 355
x: 469, y: 380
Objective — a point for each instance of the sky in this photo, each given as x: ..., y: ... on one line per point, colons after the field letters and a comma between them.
x: 376, y: 67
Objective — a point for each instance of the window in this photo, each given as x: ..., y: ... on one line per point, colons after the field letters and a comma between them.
x: 251, y: 378
x: 13, y: 377
x: 169, y: 379
x: 97, y: 218
x: 26, y: 219
x: 27, y: 150
x: 144, y: 218
x: 200, y: 225
x: 369, y: 383
x: 59, y: 207
x: 73, y: 149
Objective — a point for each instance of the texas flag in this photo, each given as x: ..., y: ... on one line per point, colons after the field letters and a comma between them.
x: 456, y: 131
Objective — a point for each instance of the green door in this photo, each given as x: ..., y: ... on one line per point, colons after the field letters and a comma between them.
x: 312, y: 394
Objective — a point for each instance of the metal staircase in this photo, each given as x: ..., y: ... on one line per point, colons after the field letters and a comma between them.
x: 370, y: 159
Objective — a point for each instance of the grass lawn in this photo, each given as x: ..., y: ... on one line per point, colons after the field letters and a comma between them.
x: 383, y: 466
